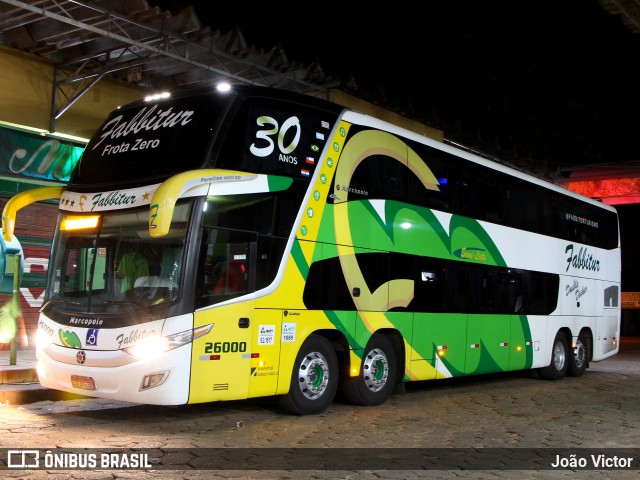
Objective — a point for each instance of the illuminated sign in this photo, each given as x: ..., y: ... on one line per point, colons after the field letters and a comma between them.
x: 36, y: 156
x: 630, y: 299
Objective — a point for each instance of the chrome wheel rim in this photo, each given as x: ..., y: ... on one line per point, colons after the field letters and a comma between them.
x: 313, y: 375
x: 579, y: 354
x: 559, y: 356
x: 375, y: 370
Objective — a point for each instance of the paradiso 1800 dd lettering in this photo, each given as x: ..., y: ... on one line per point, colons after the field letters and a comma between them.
x: 275, y: 232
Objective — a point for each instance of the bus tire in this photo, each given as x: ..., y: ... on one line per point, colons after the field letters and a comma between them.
x: 378, y: 372
x: 314, y: 380
x: 559, y: 359
x: 579, y: 358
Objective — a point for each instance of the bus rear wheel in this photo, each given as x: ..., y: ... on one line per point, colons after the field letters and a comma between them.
x: 377, y: 376
x: 314, y: 380
x: 580, y: 357
x: 559, y: 359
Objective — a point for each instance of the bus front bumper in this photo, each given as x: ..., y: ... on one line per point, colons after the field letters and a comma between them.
x: 116, y: 375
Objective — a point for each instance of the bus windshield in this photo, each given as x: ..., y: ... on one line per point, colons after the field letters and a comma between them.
x: 117, y: 262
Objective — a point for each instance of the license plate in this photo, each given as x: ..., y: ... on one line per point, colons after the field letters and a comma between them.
x: 83, y: 383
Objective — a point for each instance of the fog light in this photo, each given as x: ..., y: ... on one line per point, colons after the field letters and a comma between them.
x: 153, y: 380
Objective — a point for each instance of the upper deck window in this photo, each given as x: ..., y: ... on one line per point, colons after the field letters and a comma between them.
x: 276, y: 137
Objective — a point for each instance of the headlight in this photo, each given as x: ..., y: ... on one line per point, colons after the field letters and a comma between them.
x: 42, y: 339
x: 153, y: 346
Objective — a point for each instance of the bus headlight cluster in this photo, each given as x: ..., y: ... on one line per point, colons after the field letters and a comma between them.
x: 149, y: 347
x: 43, y: 339
x: 153, y: 346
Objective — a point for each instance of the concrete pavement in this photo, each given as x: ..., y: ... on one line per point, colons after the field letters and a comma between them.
x: 19, y: 383
x: 24, y: 371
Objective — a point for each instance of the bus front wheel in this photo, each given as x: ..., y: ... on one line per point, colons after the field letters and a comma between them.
x: 377, y: 376
x: 314, y: 380
x: 559, y: 359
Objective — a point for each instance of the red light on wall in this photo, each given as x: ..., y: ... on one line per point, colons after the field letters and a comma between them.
x: 616, y: 191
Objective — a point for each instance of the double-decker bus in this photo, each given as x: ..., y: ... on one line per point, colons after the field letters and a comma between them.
x: 218, y: 245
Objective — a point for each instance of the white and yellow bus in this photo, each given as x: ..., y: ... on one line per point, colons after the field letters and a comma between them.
x: 227, y: 245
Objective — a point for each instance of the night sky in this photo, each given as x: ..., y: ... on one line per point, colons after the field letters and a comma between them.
x: 547, y: 81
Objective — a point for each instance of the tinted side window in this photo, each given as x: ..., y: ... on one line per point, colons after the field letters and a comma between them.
x: 265, y: 213
x: 325, y: 288
x: 590, y: 225
x: 379, y: 177
x: 227, y: 267
x: 540, y: 292
x: 489, y: 195
x: 428, y: 285
x: 524, y: 205
x: 440, y: 164
x: 439, y: 286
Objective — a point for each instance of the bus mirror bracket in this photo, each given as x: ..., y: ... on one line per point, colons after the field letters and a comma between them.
x: 20, y: 201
